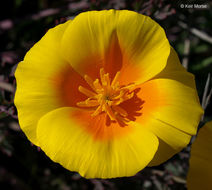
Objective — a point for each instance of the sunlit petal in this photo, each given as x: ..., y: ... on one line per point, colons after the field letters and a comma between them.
x: 34, y: 95
x: 67, y: 140
x: 171, y: 110
x: 116, y: 40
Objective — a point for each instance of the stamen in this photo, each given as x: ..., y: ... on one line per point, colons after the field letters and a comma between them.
x: 83, y: 104
x: 89, y: 81
x: 109, y: 111
x: 107, y: 96
x: 107, y: 79
x: 115, y: 79
x: 120, y: 94
x: 102, y: 73
x: 120, y: 110
x: 92, y: 102
x: 128, y: 96
x: 122, y: 120
x: 88, y: 103
x: 97, y: 85
x: 97, y: 111
x: 130, y: 86
x: 86, y: 92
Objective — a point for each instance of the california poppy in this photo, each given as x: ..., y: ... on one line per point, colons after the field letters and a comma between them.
x: 105, y: 95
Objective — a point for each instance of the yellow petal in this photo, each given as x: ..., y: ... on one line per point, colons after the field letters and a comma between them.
x: 64, y: 139
x: 122, y: 40
x: 34, y: 95
x: 175, y: 71
x: 200, y: 170
x: 144, y: 43
x: 171, y: 111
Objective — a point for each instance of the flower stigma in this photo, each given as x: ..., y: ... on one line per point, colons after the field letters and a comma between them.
x: 106, y: 96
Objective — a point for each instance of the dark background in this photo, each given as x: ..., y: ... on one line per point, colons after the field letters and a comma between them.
x: 23, y: 22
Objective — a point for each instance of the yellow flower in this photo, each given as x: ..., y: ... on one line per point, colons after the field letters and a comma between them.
x: 105, y: 95
x: 200, y: 166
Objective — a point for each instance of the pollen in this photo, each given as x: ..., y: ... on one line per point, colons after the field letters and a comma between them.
x: 106, y: 96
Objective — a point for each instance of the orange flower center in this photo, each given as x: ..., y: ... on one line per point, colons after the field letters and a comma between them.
x: 106, y: 96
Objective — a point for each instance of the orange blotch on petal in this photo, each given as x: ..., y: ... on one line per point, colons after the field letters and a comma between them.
x: 113, y: 59
x: 153, y: 99
x: 100, y: 127
x: 67, y: 82
x: 116, y: 59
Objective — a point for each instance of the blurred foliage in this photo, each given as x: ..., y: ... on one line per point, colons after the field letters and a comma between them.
x: 22, y: 165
